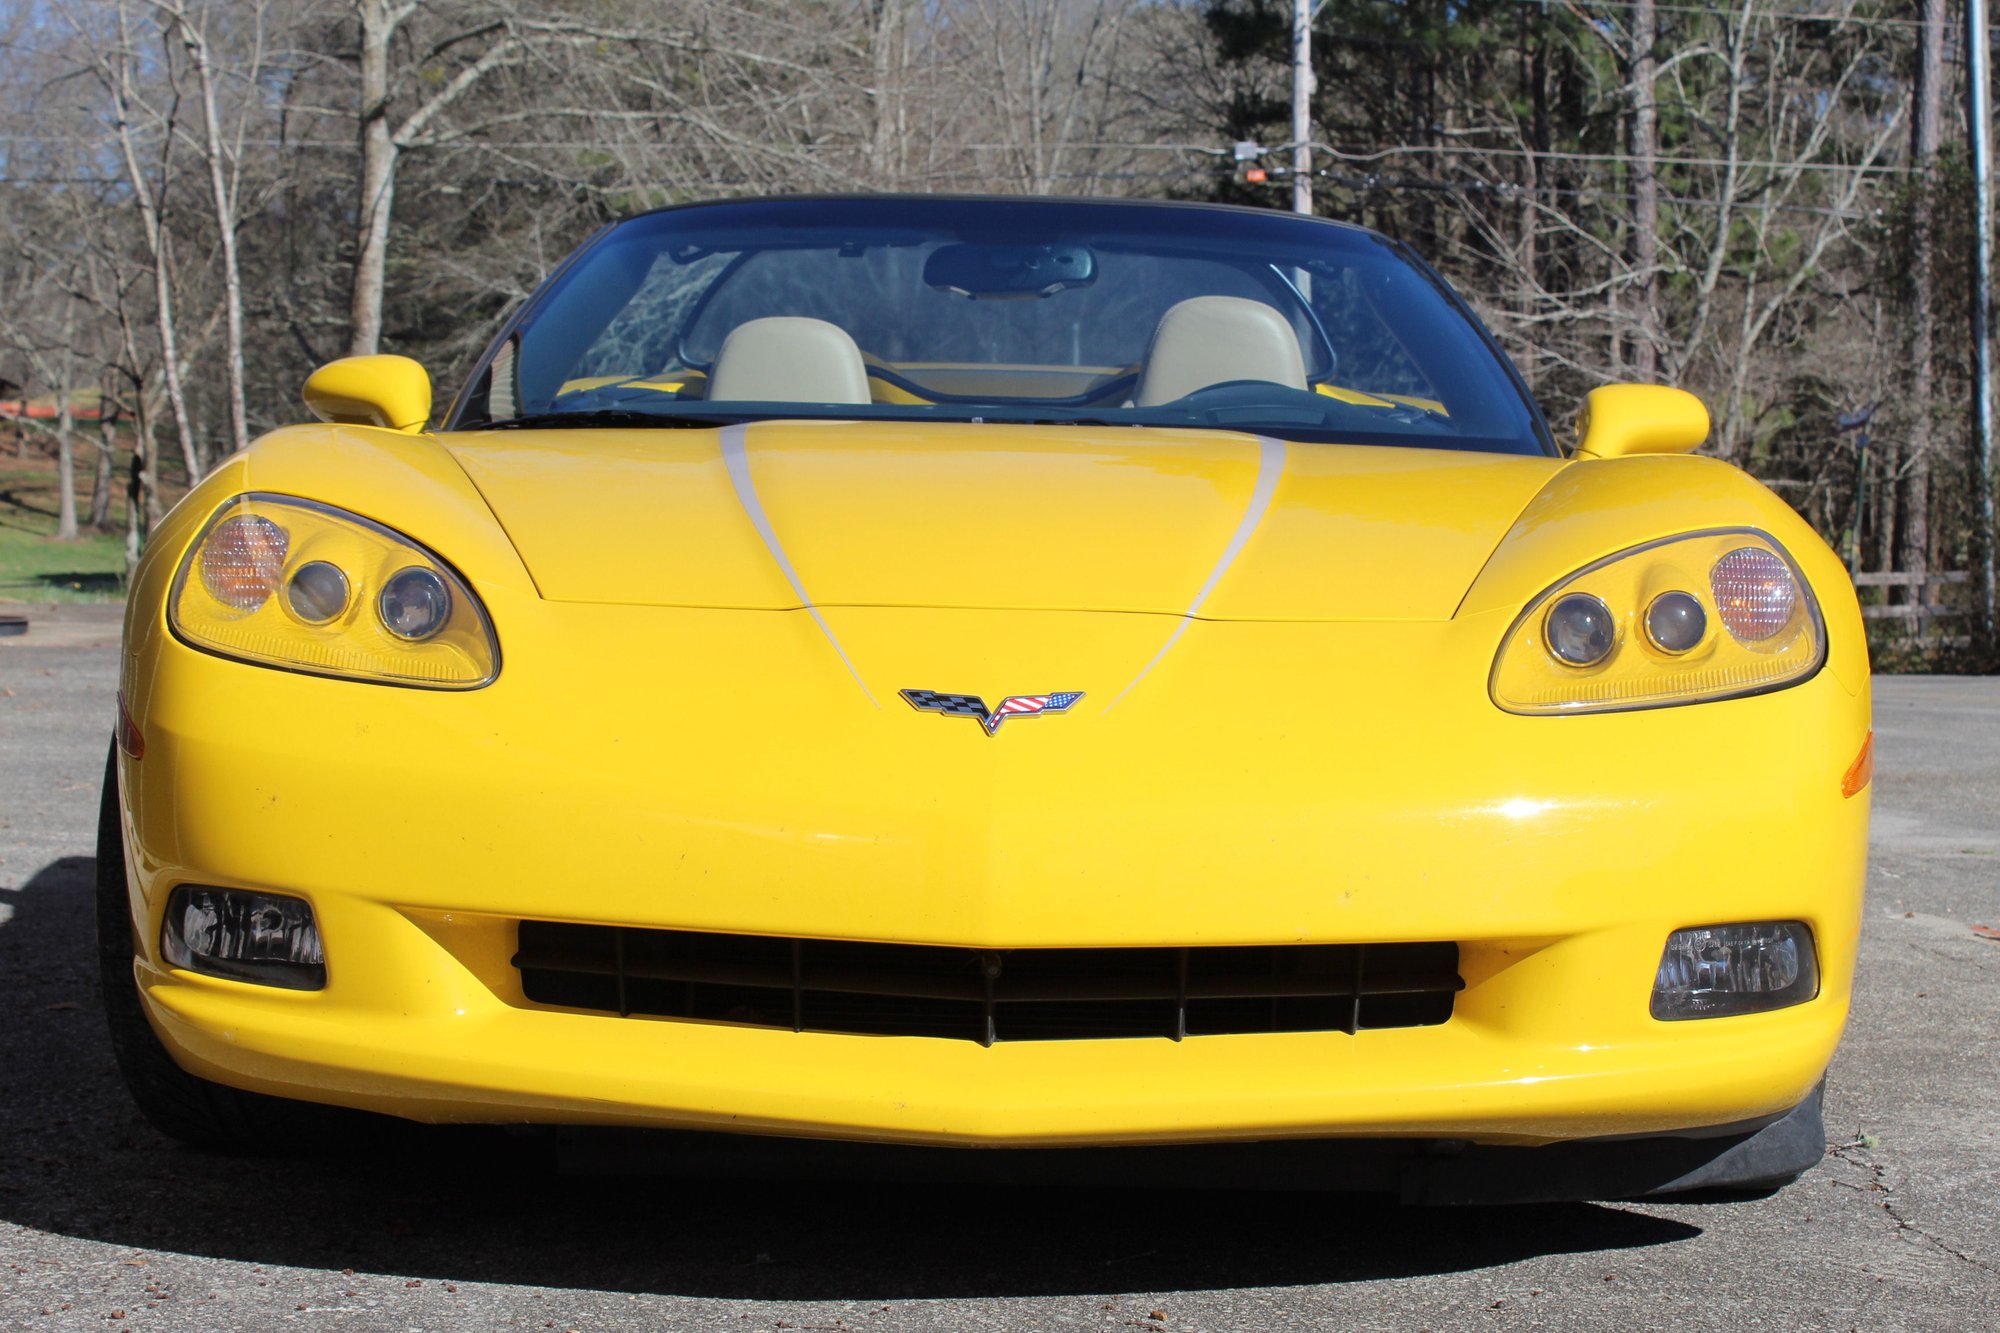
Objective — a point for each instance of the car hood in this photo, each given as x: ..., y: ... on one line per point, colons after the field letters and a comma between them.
x: 784, y: 514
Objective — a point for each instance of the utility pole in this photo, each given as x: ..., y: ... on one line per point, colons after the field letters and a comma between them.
x: 1302, y: 91
x: 1979, y: 98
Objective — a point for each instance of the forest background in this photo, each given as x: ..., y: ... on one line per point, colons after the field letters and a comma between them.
x: 1766, y: 202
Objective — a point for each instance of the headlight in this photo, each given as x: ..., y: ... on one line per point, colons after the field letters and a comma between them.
x: 1711, y: 615
x: 288, y: 583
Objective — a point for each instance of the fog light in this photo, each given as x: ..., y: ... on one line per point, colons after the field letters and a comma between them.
x: 259, y: 937
x: 1711, y: 971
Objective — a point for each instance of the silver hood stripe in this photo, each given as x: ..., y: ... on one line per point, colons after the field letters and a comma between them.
x: 1270, y: 466
x: 736, y: 459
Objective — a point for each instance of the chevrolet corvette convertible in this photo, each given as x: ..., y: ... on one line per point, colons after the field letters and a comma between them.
x: 1083, y: 681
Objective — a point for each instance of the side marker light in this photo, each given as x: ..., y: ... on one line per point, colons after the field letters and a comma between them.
x: 130, y: 739
x: 1862, y: 771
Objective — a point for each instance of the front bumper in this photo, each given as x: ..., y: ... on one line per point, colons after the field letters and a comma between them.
x: 609, y: 777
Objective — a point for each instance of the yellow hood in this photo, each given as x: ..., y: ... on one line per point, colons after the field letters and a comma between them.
x: 998, y: 517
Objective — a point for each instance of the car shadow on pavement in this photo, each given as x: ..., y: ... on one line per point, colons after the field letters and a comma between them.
x: 481, y: 1205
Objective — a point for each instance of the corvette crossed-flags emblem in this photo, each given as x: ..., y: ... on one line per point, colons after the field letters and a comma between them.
x: 972, y: 706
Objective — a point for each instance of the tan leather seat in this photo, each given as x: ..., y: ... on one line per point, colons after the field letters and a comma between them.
x: 1213, y: 339
x: 788, y: 359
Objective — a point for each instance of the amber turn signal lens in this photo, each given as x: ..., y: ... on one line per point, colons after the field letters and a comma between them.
x: 241, y: 561
x: 1862, y: 771
x: 1754, y: 593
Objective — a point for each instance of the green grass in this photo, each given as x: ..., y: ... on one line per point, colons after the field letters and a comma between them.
x: 34, y: 566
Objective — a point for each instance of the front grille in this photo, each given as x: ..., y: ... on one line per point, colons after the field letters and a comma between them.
x: 987, y: 995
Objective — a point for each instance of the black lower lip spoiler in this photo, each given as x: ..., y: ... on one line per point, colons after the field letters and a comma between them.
x: 1743, y: 1157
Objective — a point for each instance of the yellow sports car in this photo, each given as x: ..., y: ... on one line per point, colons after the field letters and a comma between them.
x: 1008, y: 674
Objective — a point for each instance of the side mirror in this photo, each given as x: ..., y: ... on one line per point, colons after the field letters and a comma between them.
x: 1622, y: 419
x: 392, y: 392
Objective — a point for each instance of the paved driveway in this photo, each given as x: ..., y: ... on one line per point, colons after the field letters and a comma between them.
x: 104, y: 1224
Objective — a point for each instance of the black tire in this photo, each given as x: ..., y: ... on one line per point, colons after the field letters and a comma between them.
x: 180, y: 1105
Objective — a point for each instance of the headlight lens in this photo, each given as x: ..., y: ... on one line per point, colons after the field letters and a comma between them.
x: 288, y: 583
x: 317, y: 591
x: 1635, y: 630
x: 1676, y: 622
x: 415, y: 603
x: 1580, y: 630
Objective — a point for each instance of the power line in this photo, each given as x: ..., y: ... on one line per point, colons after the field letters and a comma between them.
x: 1345, y: 155
x: 1473, y: 150
x: 1351, y: 180
x: 1722, y: 12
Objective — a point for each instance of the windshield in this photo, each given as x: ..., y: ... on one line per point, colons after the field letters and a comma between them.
x: 1038, y: 311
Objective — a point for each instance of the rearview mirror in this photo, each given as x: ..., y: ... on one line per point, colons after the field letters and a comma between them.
x: 1622, y: 419
x: 392, y: 392
x: 1009, y: 272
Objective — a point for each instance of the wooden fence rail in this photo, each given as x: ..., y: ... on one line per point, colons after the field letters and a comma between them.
x: 1911, y: 580
x: 1925, y: 607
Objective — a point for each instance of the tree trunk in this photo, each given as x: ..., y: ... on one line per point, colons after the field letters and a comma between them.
x: 1526, y: 261
x: 379, y: 152
x: 101, y: 481
x: 65, y: 466
x: 225, y: 227
x: 158, y: 244
x: 1914, y: 547
x: 141, y: 489
x: 1643, y: 130
x: 891, y: 58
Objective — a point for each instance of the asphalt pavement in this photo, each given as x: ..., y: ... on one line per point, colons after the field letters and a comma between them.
x: 105, y: 1224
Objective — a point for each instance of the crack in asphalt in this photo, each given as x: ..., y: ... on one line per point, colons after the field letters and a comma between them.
x: 1877, y: 1183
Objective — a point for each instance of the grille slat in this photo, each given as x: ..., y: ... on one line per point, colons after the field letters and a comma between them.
x: 987, y: 995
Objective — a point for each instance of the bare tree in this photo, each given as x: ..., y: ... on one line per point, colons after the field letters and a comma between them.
x: 114, y: 60
x: 223, y: 164
x: 1926, y: 137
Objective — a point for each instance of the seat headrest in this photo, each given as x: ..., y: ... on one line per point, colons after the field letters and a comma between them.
x: 1213, y: 339
x: 788, y: 359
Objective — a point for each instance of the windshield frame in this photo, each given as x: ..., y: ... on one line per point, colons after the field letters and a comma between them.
x: 457, y: 419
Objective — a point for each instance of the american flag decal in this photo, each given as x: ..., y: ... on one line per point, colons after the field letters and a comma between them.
x: 972, y: 706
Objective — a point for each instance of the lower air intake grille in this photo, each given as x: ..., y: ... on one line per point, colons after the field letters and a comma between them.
x: 987, y: 995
